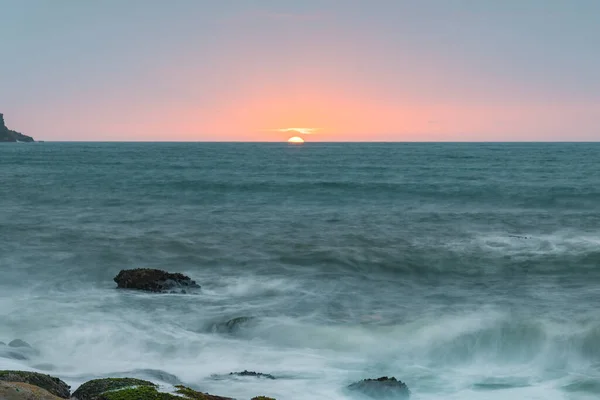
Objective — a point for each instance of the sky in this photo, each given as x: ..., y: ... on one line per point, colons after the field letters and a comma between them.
x: 245, y: 70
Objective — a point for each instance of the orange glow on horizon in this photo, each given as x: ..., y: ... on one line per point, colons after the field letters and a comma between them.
x: 328, y: 112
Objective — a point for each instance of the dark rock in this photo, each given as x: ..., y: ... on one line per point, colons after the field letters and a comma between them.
x: 53, y: 385
x: 6, y: 135
x: 93, y: 389
x: 233, y: 325
x: 19, y: 343
x: 154, y: 280
x: 262, y: 398
x: 382, y: 388
x: 252, y: 373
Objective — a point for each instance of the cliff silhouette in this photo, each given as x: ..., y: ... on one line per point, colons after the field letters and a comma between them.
x: 6, y: 135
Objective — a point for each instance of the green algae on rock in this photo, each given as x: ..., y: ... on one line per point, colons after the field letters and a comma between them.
x: 93, y: 389
x: 192, y: 394
x: 135, y: 389
x: 137, y: 393
x: 53, y: 385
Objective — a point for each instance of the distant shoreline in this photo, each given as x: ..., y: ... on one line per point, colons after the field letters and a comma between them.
x: 10, y: 136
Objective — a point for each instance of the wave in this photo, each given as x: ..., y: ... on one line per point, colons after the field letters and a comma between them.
x: 170, y: 339
x: 485, y: 194
x: 477, y: 256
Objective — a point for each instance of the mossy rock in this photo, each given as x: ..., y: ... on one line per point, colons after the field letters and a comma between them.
x: 192, y: 394
x: 53, y: 385
x: 24, y: 391
x: 93, y: 389
x: 150, y: 393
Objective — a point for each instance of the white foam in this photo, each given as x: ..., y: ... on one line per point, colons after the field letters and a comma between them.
x: 90, y: 333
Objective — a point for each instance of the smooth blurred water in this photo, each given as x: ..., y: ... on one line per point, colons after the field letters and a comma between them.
x: 469, y: 271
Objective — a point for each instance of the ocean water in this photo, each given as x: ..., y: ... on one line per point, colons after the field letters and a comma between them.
x: 469, y: 271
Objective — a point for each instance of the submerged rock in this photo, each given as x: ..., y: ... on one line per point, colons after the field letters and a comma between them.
x: 6, y: 352
x: 24, y: 391
x: 519, y: 237
x: 233, y: 325
x: 17, y: 350
x: 252, y: 373
x: 19, y: 343
x: 95, y: 388
x: 53, y: 385
x: 262, y: 398
x: 154, y: 280
x: 2, y: 344
x: 382, y: 388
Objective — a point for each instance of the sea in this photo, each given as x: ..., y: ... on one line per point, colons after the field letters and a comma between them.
x: 469, y: 271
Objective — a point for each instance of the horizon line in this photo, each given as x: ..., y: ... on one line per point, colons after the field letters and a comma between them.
x: 315, y: 142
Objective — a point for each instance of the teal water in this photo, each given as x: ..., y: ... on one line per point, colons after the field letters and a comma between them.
x: 469, y: 271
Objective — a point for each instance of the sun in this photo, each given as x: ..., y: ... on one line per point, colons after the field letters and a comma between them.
x: 295, y: 140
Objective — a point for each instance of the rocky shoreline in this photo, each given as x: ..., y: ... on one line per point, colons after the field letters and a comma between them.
x: 25, y: 385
